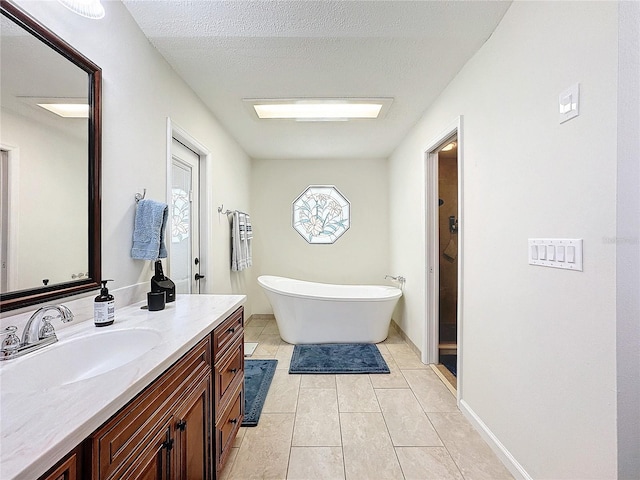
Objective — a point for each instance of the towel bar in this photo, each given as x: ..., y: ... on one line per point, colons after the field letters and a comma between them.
x: 228, y: 212
x: 141, y: 196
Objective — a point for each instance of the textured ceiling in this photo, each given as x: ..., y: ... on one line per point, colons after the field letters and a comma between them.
x: 235, y: 49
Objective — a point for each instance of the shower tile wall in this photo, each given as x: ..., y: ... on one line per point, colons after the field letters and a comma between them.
x: 448, y: 192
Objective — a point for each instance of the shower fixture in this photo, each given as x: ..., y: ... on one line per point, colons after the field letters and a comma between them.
x: 453, y: 224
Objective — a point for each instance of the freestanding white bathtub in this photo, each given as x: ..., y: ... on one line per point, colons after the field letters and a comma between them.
x: 308, y: 312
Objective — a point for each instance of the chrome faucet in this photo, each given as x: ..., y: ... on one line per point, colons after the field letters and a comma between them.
x: 38, y: 332
x: 399, y: 278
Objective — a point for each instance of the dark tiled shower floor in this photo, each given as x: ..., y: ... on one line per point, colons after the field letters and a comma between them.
x: 449, y: 361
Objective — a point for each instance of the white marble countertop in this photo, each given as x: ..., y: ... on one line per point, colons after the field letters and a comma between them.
x: 38, y: 428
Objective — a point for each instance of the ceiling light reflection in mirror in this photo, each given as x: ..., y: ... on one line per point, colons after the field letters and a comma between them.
x: 67, y: 110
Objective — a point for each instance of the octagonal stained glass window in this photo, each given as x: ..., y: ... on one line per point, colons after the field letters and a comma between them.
x: 321, y: 214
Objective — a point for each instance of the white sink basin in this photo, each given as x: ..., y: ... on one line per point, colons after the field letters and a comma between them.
x: 76, y: 359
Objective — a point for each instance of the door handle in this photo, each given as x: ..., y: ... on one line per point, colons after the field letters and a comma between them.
x: 198, y: 276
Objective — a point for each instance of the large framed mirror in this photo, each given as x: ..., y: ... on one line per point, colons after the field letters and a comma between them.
x: 51, y: 160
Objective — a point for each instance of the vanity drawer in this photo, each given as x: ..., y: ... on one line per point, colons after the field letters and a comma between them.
x: 119, y: 441
x: 228, y: 370
x: 226, y: 332
x: 228, y: 425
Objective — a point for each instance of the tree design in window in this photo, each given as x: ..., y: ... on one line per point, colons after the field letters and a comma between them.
x: 321, y: 214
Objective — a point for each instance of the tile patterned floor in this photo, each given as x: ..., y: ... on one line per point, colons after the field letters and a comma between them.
x: 358, y: 427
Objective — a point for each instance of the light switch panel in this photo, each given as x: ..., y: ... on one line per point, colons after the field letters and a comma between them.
x: 556, y: 253
x: 569, y: 103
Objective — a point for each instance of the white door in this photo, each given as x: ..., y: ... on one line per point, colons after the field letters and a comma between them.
x: 185, y: 226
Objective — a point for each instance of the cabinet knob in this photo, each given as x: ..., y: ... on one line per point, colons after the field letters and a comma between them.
x: 168, y: 444
x: 231, y: 330
x: 233, y: 370
x: 233, y: 420
x: 181, y: 425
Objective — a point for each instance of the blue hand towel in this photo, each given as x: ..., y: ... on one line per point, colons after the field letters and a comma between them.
x: 148, y: 231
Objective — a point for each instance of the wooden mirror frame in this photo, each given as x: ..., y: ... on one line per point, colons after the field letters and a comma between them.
x: 32, y: 296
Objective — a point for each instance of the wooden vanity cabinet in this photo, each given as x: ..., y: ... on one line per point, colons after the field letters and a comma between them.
x: 179, y: 448
x: 182, y: 425
x: 163, y: 432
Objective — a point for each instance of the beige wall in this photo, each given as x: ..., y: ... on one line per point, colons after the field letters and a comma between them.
x: 538, y: 344
x: 360, y: 255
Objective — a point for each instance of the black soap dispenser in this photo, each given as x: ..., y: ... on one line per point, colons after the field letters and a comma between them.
x: 104, y: 307
x: 160, y: 283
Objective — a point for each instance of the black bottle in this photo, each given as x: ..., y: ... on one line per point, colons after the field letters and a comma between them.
x: 104, y: 308
x: 160, y: 283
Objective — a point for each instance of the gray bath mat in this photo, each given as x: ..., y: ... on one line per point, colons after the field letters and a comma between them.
x: 337, y: 358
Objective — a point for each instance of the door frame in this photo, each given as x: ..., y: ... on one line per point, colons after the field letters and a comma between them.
x: 432, y: 253
x: 13, y: 197
x: 205, y: 202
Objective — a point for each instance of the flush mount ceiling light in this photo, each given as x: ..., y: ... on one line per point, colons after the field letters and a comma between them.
x: 67, y: 110
x: 321, y: 109
x: 87, y: 8
x: 449, y: 147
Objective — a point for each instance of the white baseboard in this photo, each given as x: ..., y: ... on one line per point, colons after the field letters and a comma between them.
x: 499, y: 449
x: 406, y: 338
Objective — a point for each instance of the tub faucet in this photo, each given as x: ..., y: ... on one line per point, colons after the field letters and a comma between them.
x: 38, y: 332
x: 399, y: 278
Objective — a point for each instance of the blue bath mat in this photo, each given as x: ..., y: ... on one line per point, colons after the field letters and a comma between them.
x: 257, y: 379
x: 337, y: 358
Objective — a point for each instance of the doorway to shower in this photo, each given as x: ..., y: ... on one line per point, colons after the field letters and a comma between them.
x: 443, y: 346
x: 448, y: 260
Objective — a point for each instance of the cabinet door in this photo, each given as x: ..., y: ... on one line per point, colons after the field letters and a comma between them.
x: 155, y: 462
x: 67, y: 469
x: 193, y: 430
